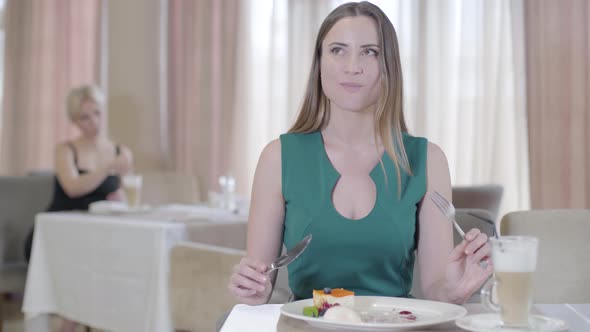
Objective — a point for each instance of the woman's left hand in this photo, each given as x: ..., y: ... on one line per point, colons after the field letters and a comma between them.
x: 117, y: 195
x: 469, y: 266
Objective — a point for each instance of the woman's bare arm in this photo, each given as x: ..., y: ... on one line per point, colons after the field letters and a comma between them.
x: 265, y: 230
x: 75, y: 184
x: 447, y: 274
x: 436, y: 233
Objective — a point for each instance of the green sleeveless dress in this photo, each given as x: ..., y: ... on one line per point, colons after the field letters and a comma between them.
x: 370, y: 256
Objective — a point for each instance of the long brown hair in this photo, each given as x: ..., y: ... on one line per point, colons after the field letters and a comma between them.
x: 389, y: 117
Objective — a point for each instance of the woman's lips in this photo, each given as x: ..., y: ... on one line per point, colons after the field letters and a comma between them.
x: 351, y: 87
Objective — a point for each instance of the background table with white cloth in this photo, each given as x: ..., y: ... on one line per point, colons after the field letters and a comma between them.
x: 108, y: 271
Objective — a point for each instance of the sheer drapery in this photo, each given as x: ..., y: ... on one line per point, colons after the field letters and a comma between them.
x: 465, y: 88
x: 558, y: 84
x: 201, y: 57
x: 276, y: 44
x: 2, y: 38
x: 463, y: 65
x: 51, y: 46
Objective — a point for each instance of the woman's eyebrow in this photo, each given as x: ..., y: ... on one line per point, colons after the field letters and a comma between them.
x: 346, y: 45
x: 338, y: 44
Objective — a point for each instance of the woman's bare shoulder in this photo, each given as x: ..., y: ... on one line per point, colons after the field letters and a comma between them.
x: 271, y: 154
x: 268, y: 170
x: 438, y: 174
x: 64, y: 147
x: 436, y: 155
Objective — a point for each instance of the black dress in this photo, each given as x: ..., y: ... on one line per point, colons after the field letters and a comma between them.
x: 62, y: 202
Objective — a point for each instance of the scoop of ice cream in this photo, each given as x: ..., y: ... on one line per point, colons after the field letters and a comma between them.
x: 343, y: 314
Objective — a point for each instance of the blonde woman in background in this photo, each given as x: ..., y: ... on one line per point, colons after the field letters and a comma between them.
x: 87, y: 168
x: 349, y: 173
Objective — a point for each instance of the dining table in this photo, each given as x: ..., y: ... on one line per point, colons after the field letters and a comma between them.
x: 109, y: 269
x: 268, y: 318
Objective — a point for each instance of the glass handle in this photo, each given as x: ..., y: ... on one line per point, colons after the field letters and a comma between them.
x: 486, y: 296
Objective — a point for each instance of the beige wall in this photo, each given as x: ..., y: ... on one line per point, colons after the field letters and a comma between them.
x: 133, y: 79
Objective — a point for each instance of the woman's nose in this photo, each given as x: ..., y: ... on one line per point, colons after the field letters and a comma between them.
x: 95, y: 120
x: 353, y: 65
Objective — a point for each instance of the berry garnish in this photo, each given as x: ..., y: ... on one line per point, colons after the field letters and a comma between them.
x: 324, y: 307
x: 327, y: 290
x: 405, y: 312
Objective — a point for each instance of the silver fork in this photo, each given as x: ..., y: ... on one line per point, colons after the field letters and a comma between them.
x: 447, y: 209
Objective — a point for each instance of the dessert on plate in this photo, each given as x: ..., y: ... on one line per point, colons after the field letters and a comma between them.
x: 327, y: 298
x: 339, y: 296
x: 342, y: 314
x: 338, y: 305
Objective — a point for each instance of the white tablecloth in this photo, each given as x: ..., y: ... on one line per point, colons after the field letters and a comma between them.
x: 109, y: 272
x: 264, y: 318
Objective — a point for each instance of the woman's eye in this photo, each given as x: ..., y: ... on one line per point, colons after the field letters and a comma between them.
x: 370, y: 52
x: 336, y: 50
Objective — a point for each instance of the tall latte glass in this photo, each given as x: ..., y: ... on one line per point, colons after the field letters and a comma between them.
x: 515, y: 261
x: 132, y: 184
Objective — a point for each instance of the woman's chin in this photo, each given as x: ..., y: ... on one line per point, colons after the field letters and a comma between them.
x: 91, y: 134
x: 356, y: 106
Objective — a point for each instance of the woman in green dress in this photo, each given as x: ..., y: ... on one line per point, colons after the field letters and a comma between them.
x: 349, y: 173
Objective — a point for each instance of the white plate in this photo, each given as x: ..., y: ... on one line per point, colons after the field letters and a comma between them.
x: 114, y: 207
x: 137, y: 209
x: 491, y: 323
x: 427, y: 312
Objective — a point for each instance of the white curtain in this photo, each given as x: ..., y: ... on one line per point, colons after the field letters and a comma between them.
x: 464, y: 74
x: 275, y: 46
x: 463, y: 63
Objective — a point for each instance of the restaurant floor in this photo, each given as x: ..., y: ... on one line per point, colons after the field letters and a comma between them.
x: 13, y: 318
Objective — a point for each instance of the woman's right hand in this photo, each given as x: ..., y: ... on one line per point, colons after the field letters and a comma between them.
x: 249, y: 284
x: 120, y: 165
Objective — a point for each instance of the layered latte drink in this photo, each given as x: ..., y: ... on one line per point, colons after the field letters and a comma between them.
x: 132, y: 184
x: 515, y: 261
